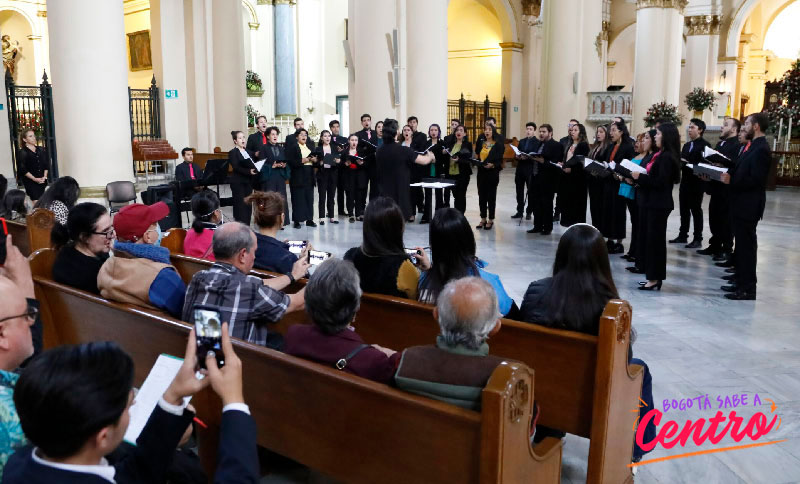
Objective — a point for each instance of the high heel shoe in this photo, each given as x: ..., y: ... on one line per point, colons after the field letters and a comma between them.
x: 489, y: 225
x: 481, y: 225
x: 634, y: 269
x: 651, y: 288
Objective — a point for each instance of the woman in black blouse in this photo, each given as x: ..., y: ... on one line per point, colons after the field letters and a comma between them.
x: 489, y: 150
x: 458, y: 168
x: 327, y: 164
x: 614, y: 209
x: 33, y: 165
x: 301, y: 180
x: 599, y: 152
x: 244, y: 176
x: 91, y: 236
x: 655, y: 188
x: 573, y: 183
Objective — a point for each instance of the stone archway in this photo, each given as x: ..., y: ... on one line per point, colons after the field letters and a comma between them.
x: 23, y: 30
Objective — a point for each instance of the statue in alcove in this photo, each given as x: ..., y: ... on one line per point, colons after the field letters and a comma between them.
x: 11, y: 52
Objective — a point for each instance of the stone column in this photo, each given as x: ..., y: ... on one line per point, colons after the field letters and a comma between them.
x: 370, y: 84
x: 168, y: 47
x: 285, y: 83
x: 702, y: 49
x: 513, y: 67
x: 426, y: 74
x: 230, y: 93
x: 532, y: 93
x: 90, y: 92
x: 657, y: 69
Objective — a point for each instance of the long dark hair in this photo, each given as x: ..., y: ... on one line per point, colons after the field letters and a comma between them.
x: 452, y: 249
x: 599, y: 146
x: 671, y: 146
x: 204, y: 204
x: 582, y: 281
x: 383, y: 228
x: 65, y: 189
x: 13, y: 201
x: 82, y: 220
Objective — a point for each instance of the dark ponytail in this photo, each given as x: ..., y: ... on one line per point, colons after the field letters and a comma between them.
x: 204, y: 204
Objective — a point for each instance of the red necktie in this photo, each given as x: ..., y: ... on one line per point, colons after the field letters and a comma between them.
x: 191, y: 171
x: 369, y: 134
x: 747, y: 147
x: 263, y: 138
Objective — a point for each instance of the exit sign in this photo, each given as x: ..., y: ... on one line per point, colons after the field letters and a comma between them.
x: 171, y: 94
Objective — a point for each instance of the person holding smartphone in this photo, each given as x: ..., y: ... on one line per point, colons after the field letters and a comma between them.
x: 272, y: 254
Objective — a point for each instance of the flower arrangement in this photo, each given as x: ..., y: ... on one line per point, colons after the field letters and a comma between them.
x: 662, y: 111
x: 32, y: 121
x: 252, y: 81
x: 789, y: 105
x: 252, y: 114
x: 700, y: 99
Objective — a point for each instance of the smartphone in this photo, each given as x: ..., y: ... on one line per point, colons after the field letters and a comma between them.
x: 413, y: 254
x: 316, y: 257
x: 3, y: 237
x: 296, y: 247
x: 208, y: 329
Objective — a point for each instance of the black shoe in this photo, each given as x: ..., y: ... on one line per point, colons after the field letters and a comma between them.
x: 517, y: 215
x: 634, y: 269
x: 527, y: 216
x: 534, y: 230
x: 721, y: 256
x: 695, y: 244
x: 729, y: 277
x: 616, y: 249
x: 360, y: 218
x: 297, y: 225
x: 642, y: 283
x: 730, y: 271
x: 731, y: 288
x: 321, y: 222
x: 336, y: 222
x: 655, y: 287
x: 680, y: 239
x: 310, y: 223
x: 352, y: 219
x: 707, y: 251
x: 628, y: 257
x: 742, y: 296
x: 727, y: 263
x: 424, y: 221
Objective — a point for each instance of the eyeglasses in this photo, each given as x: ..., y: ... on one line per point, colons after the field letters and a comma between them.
x: 32, y: 312
x: 109, y: 234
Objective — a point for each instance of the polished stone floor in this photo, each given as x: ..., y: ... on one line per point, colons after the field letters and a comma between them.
x: 695, y: 342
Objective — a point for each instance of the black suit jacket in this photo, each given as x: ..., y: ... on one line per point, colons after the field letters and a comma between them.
x: 693, y: 153
x: 241, y: 167
x: 526, y: 166
x: 182, y: 172
x: 237, y: 457
x: 464, y: 165
x: 292, y: 140
x: 301, y: 175
x: 255, y: 143
x: 551, y: 151
x: 495, y: 153
x: 749, y: 181
x: 148, y: 462
x: 419, y: 141
x: 730, y: 148
x: 656, y: 186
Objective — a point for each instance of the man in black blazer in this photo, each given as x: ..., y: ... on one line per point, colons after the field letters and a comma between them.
x: 748, y: 181
x: 188, y: 170
x: 340, y: 144
x: 550, y: 152
x: 449, y: 140
x: 523, y: 178
x: 291, y: 139
x: 692, y: 187
x: 74, y: 402
x: 368, y: 137
x: 419, y: 142
x: 257, y: 141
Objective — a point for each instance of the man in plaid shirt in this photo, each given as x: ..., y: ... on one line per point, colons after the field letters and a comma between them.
x: 246, y: 302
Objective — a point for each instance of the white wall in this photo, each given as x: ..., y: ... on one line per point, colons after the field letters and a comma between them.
x: 622, y: 51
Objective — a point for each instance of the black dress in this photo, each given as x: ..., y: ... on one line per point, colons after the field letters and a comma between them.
x: 655, y: 192
x: 241, y: 182
x: 35, y: 163
x: 301, y: 184
x: 614, y: 208
x: 595, y: 185
x: 573, y: 188
x: 394, y: 164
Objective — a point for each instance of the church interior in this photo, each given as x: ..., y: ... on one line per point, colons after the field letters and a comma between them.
x: 115, y: 90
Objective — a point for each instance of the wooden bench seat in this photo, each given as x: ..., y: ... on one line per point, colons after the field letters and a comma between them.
x: 34, y: 233
x: 584, y: 383
x: 347, y: 427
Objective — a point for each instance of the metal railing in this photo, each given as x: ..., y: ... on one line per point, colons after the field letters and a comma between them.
x: 473, y: 114
x: 145, y: 112
x: 31, y: 107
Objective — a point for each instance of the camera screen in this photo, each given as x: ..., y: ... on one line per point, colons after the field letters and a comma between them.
x: 208, y: 327
x: 297, y: 246
x: 317, y: 257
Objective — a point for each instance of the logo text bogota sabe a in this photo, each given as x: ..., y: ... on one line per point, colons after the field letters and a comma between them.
x: 685, y: 432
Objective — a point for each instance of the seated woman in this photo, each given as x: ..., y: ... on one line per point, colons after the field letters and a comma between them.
x: 383, y: 265
x: 453, y: 257
x: 207, y: 217
x: 14, y: 206
x: 59, y: 198
x: 576, y: 295
x: 269, y: 215
x: 90, y: 238
x: 332, y: 299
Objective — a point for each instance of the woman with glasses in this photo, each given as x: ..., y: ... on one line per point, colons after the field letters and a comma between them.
x: 91, y: 236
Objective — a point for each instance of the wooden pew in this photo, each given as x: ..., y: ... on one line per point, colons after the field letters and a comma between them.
x: 34, y: 233
x: 584, y: 383
x: 347, y: 427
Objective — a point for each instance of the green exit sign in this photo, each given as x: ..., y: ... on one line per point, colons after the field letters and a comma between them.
x: 171, y: 94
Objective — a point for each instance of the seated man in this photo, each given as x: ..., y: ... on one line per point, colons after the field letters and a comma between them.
x: 247, y: 302
x: 188, y: 170
x: 333, y: 295
x: 17, y: 314
x: 459, y: 365
x: 74, y: 402
x: 140, y: 271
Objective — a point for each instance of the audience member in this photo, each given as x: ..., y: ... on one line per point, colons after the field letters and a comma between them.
x: 272, y: 254
x: 14, y: 206
x: 33, y: 164
x: 333, y: 296
x: 383, y: 265
x: 453, y: 257
x: 207, y: 217
x: 247, y: 302
x: 576, y: 295
x: 74, y: 403
x: 59, y: 198
x: 459, y: 365
x: 90, y: 237
x: 140, y: 271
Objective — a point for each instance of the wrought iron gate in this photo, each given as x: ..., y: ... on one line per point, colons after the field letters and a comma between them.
x: 473, y: 114
x: 31, y: 107
x: 145, y: 112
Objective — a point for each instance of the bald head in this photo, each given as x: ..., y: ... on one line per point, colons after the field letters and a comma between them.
x: 467, y: 311
x: 235, y: 243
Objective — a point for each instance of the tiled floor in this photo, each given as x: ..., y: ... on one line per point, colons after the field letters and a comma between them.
x: 695, y: 341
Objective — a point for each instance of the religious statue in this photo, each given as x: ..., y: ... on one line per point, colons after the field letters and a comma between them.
x: 10, y: 52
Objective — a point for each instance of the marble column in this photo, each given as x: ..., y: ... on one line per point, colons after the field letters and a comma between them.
x: 511, y: 87
x: 532, y: 55
x: 426, y: 74
x: 370, y: 84
x: 657, y: 69
x: 285, y: 83
x: 262, y: 38
x: 89, y: 73
x: 230, y: 93
x: 702, y: 50
x: 168, y: 47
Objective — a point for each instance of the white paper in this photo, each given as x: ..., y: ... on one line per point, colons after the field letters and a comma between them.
x: 259, y: 164
x: 433, y: 185
x: 589, y: 161
x: 153, y: 388
x: 633, y: 167
x: 612, y: 165
x: 709, y: 151
x: 712, y: 167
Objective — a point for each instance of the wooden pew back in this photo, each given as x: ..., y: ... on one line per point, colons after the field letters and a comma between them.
x: 34, y: 233
x: 347, y: 427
